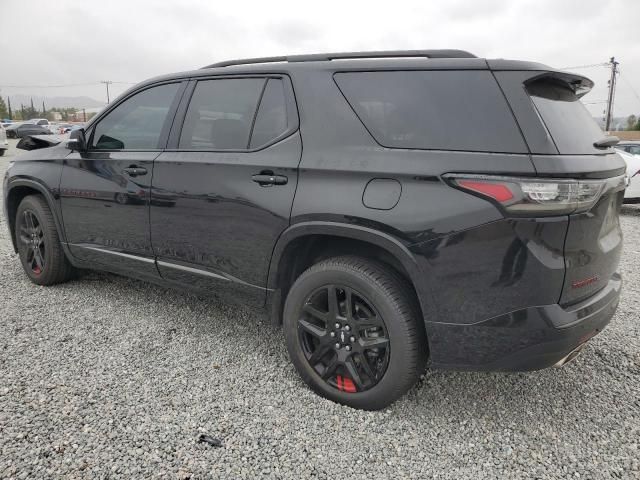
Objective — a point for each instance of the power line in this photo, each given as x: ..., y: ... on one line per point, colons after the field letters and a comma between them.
x: 606, y: 64
x: 48, y: 86
x: 633, y: 90
x: 63, y: 86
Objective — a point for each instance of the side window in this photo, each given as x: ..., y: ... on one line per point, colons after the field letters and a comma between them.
x: 220, y: 114
x: 437, y: 109
x: 271, y: 120
x: 137, y: 122
x: 635, y: 150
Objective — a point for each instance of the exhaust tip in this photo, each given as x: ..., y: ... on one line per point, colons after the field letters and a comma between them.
x: 570, y: 357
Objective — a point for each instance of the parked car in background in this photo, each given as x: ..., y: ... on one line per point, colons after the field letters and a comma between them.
x: 40, y: 121
x: 68, y: 127
x: 632, y: 193
x: 4, y: 145
x: 631, y: 147
x: 24, y: 129
x: 12, y: 128
x: 445, y: 207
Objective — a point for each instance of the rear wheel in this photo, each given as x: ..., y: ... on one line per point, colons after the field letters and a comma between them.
x: 39, y: 247
x: 353, y: 333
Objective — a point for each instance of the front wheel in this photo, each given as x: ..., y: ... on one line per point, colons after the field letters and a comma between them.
x: 354, y: 333
x: 39, y: 248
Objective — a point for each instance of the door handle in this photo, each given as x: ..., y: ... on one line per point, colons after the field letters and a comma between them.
x: 267, y: 179
x: 134, y: 171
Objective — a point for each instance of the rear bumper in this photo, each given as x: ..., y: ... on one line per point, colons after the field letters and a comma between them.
x: 527, y: 339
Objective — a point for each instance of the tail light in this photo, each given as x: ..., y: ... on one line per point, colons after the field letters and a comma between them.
x: 526, y: 196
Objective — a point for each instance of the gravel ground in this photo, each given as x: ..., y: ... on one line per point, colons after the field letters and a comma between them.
x: 106, y: 377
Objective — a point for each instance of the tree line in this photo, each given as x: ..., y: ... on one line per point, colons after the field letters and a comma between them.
x: 633, y: 122
x: 30, y: 111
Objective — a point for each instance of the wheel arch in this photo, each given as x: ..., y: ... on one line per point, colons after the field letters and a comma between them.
x: 18, y: 190
x: 316, y: 240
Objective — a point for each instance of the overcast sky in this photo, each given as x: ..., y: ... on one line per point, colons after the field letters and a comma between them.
x: 62, y: 42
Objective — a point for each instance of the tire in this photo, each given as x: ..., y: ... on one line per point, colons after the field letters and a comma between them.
x: 2, y: 150
x: 380, y: 298
x: 50, y: 266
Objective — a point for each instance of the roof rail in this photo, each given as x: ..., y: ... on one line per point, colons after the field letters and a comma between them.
x: 320, y: 57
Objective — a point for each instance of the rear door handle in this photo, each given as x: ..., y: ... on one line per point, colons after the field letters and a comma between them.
x: 134, y: 171
x: 265, y: 179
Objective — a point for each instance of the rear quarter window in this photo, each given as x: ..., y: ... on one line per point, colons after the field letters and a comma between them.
x: 436, y: 110
x: 567, y: 120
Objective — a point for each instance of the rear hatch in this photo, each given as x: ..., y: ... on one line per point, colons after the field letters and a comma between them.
x: 565, y: 142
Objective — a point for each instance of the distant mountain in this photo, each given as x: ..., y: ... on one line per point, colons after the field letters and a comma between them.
x: 54, y: 102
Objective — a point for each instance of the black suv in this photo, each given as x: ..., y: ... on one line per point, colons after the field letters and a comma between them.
x: 388, y: 208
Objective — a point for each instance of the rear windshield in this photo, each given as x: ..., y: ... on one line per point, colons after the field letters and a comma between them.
x: 567, y: 120
x: 439, y: 110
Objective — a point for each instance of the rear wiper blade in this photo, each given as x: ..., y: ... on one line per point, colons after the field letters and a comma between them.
x: 606, y: 142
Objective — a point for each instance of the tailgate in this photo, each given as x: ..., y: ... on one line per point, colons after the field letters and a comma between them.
x: 593, y: 245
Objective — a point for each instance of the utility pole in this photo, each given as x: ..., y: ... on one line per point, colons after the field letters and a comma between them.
x: 10, y: 112
x: 107, y: 83
x: 612, y: 93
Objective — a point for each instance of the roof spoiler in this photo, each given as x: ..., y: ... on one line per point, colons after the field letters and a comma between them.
x: 579, y: 84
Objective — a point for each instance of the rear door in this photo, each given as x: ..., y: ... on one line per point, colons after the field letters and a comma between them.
x: 222, y: 192
x: 105, y: 190
x: 561, y: 135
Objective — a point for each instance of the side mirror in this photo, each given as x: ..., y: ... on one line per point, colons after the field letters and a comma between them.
x: 77, y: 141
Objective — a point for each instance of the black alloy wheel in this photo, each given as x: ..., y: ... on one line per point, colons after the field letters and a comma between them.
x: 32, y: 237
x: 354, y: 331
x: 344, y: 339
x: 39, y: 247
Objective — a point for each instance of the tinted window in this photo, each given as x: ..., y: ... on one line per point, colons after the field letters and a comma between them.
x: 271, y: 120
x: 137, y: 122
x: 443, y: 110
x: 568, y: 121
x: 220, y: 114
x: 634, y: 150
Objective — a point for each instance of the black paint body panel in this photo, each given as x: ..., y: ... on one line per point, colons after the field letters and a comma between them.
x: 206, y: 211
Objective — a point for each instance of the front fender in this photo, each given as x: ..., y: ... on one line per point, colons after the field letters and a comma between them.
x: 50, y: 196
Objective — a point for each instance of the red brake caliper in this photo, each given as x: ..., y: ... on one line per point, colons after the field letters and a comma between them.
x: 345, y: 384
